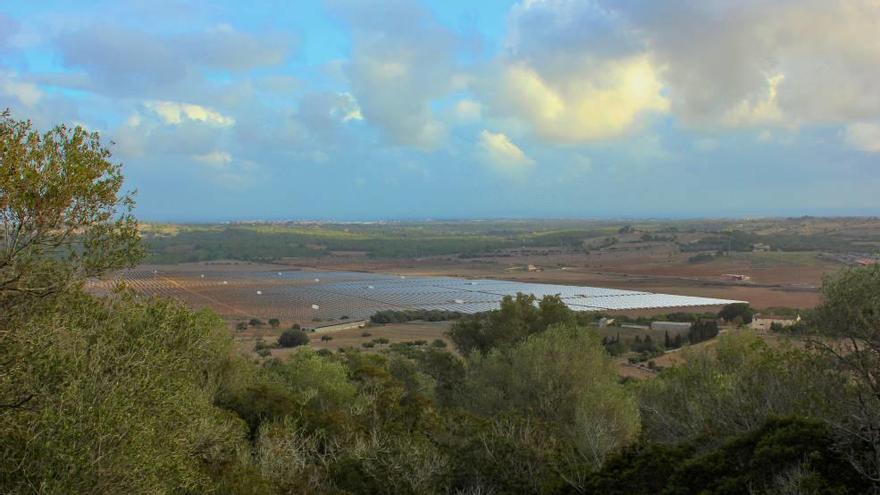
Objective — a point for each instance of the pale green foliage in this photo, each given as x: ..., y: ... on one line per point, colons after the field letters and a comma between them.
x: 293, y: 458
x: 317, y: 381
x: 121, y: 400
x: 562, y: 377
x: 734, y: 388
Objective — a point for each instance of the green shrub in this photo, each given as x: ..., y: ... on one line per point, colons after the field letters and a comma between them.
x: 293, y: 338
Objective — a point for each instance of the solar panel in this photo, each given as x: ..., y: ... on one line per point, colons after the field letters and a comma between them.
x: 307, y: 295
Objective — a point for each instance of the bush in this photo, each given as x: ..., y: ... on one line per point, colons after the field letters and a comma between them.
x: 274, y: 323
x: 366, y: 334
x: 325, y: 338
x: 293, y: 338
x: 737, y: 310
x: 439, y: 343
x: 368, y: 345
x: 255, y: 322
x: 381, y: 340
x: 241, y: 326
x: 295, y: 326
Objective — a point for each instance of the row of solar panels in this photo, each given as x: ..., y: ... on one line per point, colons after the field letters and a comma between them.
x: 360, y: 290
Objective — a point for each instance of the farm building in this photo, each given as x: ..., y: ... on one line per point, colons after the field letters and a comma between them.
x: 762, y: 323
x: 335, y: 327
x: 671, y: 325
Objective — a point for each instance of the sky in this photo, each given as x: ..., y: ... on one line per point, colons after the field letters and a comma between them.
x: 397, y: 109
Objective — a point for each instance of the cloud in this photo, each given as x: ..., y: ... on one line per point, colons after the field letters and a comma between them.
x: 864, y: 136
x: 758, y: 62
x: 573, y: 73
x: 217, y: 159
x: 500, y: 152
x: 28, y: 94
x: 125, y: 61
x: 173, y: 112
x: 581, y: 106
x: 468, y: 110
x: 402, y: 60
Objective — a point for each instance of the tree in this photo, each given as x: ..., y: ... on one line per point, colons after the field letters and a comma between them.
x: 517, y: 318
x: 735, y: 387
x: 255, y: 322
x: 702, y: 330
x: 562, y: 377
x: 64, y: 218
x: 733, y: 311
x: 274, y: 323
x: 293, y: 338
x: 122, y: 399
x: 63, y: 213
x: 848, y: 323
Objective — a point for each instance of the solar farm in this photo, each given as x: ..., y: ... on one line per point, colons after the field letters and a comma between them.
x: 307, y: 296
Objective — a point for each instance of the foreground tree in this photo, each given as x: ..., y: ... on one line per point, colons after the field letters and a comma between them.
x: 848, y: 323
x: 64, y: 215
x: 564, y: 381
x: 109, y: 395
x: 734, y: 388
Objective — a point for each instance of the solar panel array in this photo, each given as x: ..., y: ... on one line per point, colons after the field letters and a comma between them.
x: 294, y: 294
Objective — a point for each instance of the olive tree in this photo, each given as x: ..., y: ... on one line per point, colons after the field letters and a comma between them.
x: 63, y: 212
x: 64, y: 218
x: 563, y: 378
x: 848, y: 324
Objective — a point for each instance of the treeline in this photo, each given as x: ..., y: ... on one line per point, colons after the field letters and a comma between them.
x: 126, y: 394
x: 253, y: 245
x: 741, y: 241
x: 403, y: 316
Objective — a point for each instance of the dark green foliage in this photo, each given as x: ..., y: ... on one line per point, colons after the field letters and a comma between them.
x: 646, y: 345
x: 392, y: 316
x: 701, y: 258
x: 439, y: 343
x: 791, y: 454
x: 241, y: 326
x: 701, y: 331
x: 255, y: 322
x: 274, y: 322
x: 293, y: 338
x: 517, y: 318
x: 325, y: 338
x: 737, y: 311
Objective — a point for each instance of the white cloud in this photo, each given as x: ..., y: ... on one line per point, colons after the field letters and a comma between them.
x: 25, y: 92
x: 500, y: 152
x: 173, y: 112
x: 864, y: 136
x: 402, y: 60
x: 596, y: 100
x: 573, y: 73
x: 762, y: 110
x: 468, y: 110
x: 758, y: 62
x: 216, y: 159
